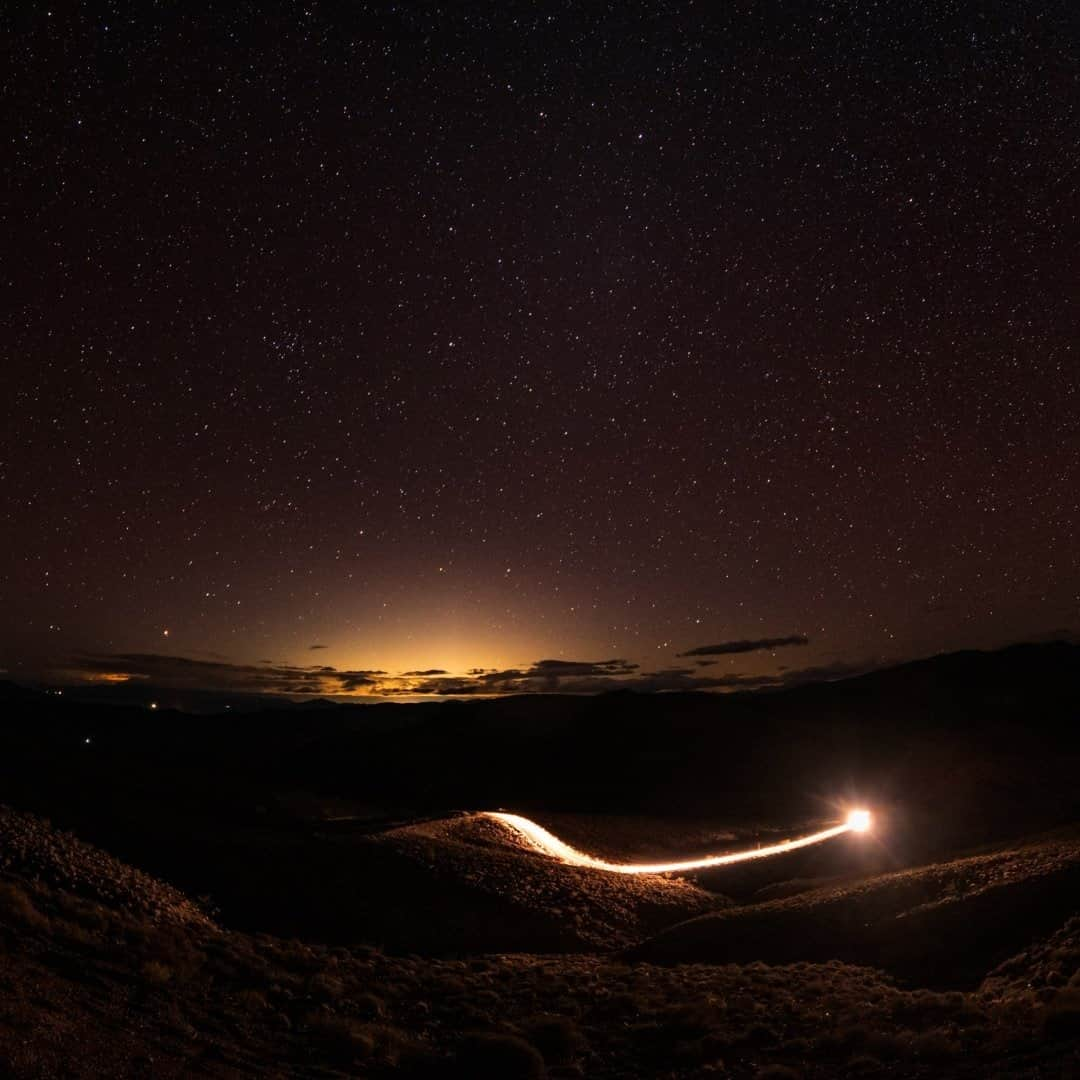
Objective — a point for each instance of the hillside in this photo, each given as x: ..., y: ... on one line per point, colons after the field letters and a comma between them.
x: 943, y: 924
x: 101, y: 978
x: 334, y: 906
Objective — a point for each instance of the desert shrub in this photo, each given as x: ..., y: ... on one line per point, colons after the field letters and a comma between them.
x: 176, y: 1022
x: 92, y: 916
x: 1061, y: 1019
x: 864, y: 1063
x: 693, y: 1019
x: 886, y: 1045
x: 466, y: 1016
x: 758, y: 1035
x: 252, y: 965
x: 297, y: 957
x: 251, y: 1001
x: 616, y: 1006
x: 159, y: 948
x: 79, y: 936
x: 935, y: 1046
x: 699, y: 1051
x: 361, y: 952
x: 342, y: 1040
x: 325, y: 987
x: 156, y: 973
x: 558, y: 1038
x: 369, y: 1007
x: 484, y: 1056
x: 346, y: 1040
x: 17, y: 905
x: 923, y: 1007
x: 451, y: 986
x: 830, y: 1043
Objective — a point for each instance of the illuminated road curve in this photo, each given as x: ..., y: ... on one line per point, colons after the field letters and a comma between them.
x: 549, y: 844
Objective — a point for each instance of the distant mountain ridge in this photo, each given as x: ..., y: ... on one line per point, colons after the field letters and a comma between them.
x: 1054, y: 660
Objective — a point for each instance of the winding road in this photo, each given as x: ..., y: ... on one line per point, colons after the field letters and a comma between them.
x: 858, y: 821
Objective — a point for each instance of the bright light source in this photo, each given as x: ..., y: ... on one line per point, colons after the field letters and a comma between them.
x: 859, y: 820
x: 548, y: 844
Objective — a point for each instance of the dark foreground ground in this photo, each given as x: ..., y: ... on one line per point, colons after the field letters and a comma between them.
x: 337, y: 911
x: 107, y: 972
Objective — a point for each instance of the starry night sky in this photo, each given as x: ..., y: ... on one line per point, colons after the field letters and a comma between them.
x: 535, y: 346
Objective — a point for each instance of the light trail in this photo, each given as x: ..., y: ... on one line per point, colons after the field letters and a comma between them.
x: 549, y: 844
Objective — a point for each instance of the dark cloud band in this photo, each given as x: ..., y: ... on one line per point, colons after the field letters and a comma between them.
x: 727, y: 648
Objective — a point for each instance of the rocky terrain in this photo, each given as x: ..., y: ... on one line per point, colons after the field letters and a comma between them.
x: 32, y: 850
x: 307, y: 893
x: 585, y: 910
x: 947, y: 922
x: 106, y: 971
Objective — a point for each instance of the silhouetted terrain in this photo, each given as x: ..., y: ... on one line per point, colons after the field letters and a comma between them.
x: 333, y: 906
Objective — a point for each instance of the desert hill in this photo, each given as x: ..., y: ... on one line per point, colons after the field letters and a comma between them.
x: 944, y: 924
x: 134, y: 980
x: 335, y: 908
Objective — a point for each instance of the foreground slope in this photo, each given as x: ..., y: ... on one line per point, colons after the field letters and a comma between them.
x: 541, y: 904
x: 108, y: 972
x: 944, y: 923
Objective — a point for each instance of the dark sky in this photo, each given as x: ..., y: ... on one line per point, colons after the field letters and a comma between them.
x: 493, y: 336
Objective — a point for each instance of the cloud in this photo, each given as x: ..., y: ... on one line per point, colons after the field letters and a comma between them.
x: 447, y: 686
x: 559, y: 668
x: 551, y: 673
x: 318, y: 646
x: 566, y: 677
x: 183, y: 671
x: 597, y: 677
x: 496, y: 676
x: 728, y: 648
x: 541, y: 676
x: 351, y: 681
